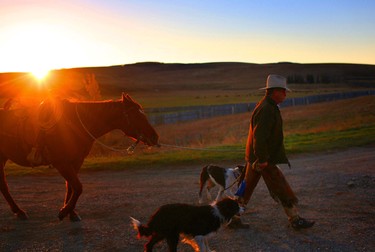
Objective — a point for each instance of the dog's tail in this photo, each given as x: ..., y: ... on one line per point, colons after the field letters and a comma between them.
x: 202, y: 181
x: 141, y: 229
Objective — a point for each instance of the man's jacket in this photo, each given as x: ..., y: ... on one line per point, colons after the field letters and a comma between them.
x: 266, y: 140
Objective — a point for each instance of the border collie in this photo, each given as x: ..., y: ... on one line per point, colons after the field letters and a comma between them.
x: 227, y: 179
x: 192, y: 222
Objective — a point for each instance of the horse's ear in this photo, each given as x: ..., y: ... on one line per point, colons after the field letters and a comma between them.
x: 127, y: 98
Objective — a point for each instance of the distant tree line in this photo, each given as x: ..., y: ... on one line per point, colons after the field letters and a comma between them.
x: 314, y: 78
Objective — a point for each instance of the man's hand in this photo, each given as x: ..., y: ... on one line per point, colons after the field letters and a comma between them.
x: 260, y: 166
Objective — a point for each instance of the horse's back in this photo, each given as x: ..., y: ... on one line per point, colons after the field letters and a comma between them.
x: 17, y: 131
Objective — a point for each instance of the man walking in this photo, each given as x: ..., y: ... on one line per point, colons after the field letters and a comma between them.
x: 265, y: 149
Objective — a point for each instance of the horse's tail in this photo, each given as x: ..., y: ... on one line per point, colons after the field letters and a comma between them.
x: 141, y: 229
x: 202, y: 181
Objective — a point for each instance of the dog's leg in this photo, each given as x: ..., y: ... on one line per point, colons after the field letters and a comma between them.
x: 206, y: 245
x: 200, y: 201
x: 202, y: 182
x: 209, y: 197
x: 200, y: 240
x: 191, y: 241
x: 219, y: 194
x: 200, y: 192
x: 207, y: 185
x: 210, y: 184
x: 172, y: 242
x: 155, y: 238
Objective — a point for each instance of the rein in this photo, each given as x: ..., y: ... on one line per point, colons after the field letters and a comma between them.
x: 129, y: 150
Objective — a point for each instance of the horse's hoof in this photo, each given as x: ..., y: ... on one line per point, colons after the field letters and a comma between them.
x: 74, y: 217
x: 22, y: 215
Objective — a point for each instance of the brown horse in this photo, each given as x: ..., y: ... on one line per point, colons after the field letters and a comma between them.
x: 67, y: 140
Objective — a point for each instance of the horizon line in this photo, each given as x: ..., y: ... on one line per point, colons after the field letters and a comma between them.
x: 192, y: 63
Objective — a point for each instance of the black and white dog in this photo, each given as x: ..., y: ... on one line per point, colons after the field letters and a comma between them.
x: 192, y: 222
x: 227, y: 179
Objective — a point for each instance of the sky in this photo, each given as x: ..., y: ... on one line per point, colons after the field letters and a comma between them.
x: 52, y: 34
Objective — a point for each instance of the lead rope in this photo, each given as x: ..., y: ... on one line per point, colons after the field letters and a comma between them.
x: 237, y: 179
x: 200, y: 149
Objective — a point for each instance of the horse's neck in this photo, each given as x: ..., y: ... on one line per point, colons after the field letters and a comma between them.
x: 96, y: 118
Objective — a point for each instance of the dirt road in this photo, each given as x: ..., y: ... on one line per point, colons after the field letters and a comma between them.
x: 336, y: 189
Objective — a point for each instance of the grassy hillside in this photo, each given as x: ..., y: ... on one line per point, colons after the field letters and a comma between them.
x: 225, y: 75
x: 159, y: 85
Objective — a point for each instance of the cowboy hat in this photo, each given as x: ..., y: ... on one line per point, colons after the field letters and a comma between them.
x: 276, y: 81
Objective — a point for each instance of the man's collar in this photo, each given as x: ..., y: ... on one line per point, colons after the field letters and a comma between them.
x: 270, y: 100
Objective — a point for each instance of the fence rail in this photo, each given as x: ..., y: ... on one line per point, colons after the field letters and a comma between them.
x: 169, y: 115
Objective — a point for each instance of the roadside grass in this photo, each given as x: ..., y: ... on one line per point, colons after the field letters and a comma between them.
x: 330, y: 140
x: 294, y: 144
x: 158, y: 159
x: 312, y: 128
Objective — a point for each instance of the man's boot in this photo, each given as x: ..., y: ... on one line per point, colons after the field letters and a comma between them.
x: 300, y: 223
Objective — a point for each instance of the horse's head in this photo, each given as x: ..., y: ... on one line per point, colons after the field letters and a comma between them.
x: 135, y: 123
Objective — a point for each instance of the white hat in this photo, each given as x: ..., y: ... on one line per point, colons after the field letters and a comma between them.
x: 276, y: 81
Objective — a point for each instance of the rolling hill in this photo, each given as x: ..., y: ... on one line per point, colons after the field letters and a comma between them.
x: 154, y: 76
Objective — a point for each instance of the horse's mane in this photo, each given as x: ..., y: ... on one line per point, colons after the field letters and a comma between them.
x: 100, y: 105
x: 110, y: 101
x: 92, y: 102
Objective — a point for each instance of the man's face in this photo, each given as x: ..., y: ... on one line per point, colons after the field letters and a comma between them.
x: 279, y: 95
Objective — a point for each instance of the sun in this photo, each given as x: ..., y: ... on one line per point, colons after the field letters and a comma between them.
x: 38, y: 46
x: 40, y: 74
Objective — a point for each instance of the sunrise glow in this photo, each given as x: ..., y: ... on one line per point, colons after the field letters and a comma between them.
x: 58, y: 34
x: 38, y: 47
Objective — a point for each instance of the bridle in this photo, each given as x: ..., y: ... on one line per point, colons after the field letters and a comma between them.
x: 130, y: 149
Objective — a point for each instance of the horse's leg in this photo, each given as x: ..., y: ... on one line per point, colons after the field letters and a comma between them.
x: 5, y: 191
x: 72, y: 215
x: 74, y: 189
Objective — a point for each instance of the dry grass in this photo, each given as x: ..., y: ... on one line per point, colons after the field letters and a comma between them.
x: 331, y: 116
x: 301, y: 120
x: 225, y: 130
x: 330, y: 126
